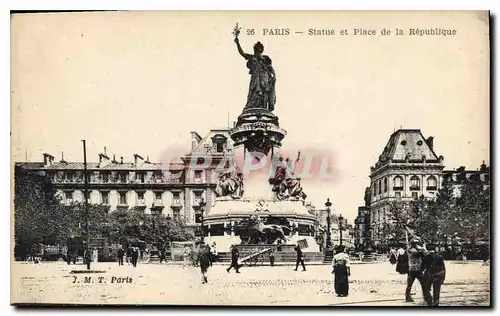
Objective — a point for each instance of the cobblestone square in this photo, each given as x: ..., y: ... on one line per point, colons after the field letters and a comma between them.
x: 371, y: 284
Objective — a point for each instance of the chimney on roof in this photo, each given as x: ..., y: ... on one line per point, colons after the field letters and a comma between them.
x: 114, y: 159
x: 138, y: 159
x: 48, y: 159
x: 62, y: 157
x: 103, y: 159
x: 430, y: 142
x: 121, y: 159
x: 484, y: 168
x: 195, y: 140
x: 147, y: 159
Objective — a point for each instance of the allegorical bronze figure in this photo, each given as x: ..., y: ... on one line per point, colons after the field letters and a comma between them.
x: 261, y: 92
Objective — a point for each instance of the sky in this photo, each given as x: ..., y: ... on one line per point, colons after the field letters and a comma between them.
x: 141, y: 82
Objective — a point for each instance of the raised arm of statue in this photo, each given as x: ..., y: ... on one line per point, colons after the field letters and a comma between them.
x: 240, y: 50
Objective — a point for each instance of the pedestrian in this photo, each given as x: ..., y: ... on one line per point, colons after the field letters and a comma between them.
x: 135, y: 256
x: 300, y: 258
x: 203, y: 249
x: 271, y: 256
x: 392, y: 257
x: 121, y: 253
x: 342, y: 272
x: 87, y: 257
x: 185, y: 255
x: 162, y: 254
x: 435, y: 274
x: 205, y: 262
x: 416, y: 254
x: 402, y: 261
x: 214, y: 252
x: 235, y: 255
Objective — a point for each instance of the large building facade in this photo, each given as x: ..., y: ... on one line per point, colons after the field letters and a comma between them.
x: 174, y: 188
x: 407, y: 169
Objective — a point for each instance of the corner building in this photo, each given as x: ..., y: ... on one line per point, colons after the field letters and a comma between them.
x: 407, y: 169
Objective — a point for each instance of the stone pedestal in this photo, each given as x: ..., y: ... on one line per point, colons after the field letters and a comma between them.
x: 258, y: 130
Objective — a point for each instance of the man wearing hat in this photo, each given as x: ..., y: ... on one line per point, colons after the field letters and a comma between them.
x: 435, y: 273
x: 416, y: 254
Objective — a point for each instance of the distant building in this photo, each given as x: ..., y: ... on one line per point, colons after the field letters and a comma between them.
x: 174, y: 189
x: 460, y: 177
x: 362, y: 228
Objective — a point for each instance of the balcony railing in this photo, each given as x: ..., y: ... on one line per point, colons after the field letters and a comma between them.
x: 397, y: 188
x: 414, y: 187
x: 431, y: 187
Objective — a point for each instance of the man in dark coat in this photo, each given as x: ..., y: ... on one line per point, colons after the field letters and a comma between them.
x: 120, y: 255
x: 205, y: 262
x: 87, y: 257
x: 435, y: 273
x: 300, y: 258
x: 135, y: 256
x: 235, y: 255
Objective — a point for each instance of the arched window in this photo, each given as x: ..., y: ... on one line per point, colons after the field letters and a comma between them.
x: 398, y: 183
x: 379, y: 186
x: 431, y: 183
x: 385, y: 184
x: 414, y: 183
x: 375, y: 188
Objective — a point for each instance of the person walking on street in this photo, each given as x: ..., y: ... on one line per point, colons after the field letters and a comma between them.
x: 205, y: 262
x: 185, y: 255
x: 393, y: 257
x: 416, y: 254
x: 87, y: 256
x: 235, y: 255
x: 342, y: 272
x: 435, y: 274
x: 121, y: 253
x: 271, y: 256
x: 214, y: 253
x: 135, y: 256
x: 300, y: 258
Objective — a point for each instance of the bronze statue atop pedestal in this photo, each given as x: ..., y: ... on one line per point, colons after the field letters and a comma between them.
x: 261, y: 91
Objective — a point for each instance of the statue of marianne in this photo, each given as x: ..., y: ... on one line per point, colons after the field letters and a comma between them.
x: 261, y: 92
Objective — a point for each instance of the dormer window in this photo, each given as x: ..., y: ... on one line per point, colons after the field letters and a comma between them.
x: 218, y: 141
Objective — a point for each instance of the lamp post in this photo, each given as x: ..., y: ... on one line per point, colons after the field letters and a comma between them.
x: 340, y: 228
x: 328, y: 204
x: 202, y: 210
x: 87, y: 256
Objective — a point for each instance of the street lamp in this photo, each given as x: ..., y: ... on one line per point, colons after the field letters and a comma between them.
x: 202, y: 210
x: 328, y: 204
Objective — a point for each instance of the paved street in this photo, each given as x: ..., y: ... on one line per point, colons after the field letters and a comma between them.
x: 467, y: 284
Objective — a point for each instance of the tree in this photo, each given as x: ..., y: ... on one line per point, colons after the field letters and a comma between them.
x: 37, y: 212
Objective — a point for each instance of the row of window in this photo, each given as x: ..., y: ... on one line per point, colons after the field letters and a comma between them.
x: 381, y: 185
x: 120, y: 177
x: 122, y: 197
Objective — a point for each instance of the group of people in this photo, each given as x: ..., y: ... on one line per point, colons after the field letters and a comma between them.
x: 132, y: 255
x: 425, y: 265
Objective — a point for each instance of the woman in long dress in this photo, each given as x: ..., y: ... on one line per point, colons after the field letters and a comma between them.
x: 342, y: 272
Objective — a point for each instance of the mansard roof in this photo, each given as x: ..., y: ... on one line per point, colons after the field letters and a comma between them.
x: 408, y: 144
